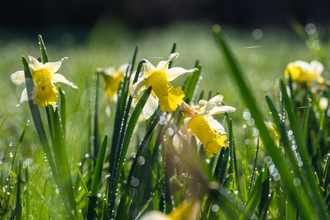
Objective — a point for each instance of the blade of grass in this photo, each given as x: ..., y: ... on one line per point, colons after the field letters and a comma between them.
x: 254, y: 167
x: 27, y: 195
x: 63, y: 110
x: 172, y: 51
x: 96, y: 180
x: 305, y: 122
x: 4, y: 120
x: 250, y: 101
x: 264, y: 190
x: 96, y: 113
x: 191, y: 86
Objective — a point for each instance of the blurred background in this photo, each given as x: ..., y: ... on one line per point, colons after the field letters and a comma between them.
x: 265, y: 35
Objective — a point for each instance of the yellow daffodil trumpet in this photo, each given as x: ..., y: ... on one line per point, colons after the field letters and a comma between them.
x: 163, y: 92
x: 199, y: 121
x: 44, y: 92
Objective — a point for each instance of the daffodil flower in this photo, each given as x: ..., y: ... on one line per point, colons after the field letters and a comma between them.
x: 112, y: 79
x: 44, y: 92
x: 184, y: 211
x: 199, y: 121
x: 304, y: 72
x: 163, y: 92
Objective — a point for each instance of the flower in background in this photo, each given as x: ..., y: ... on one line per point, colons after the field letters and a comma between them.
x: 163, y: 93
x: 184, y: 211
x: 44, y: 92
x: 304, y: 72
x: 112, y: 79
x: 199, y: 121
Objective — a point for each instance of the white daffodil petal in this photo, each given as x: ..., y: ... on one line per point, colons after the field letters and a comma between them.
x: 173, y: 56
x: 18, y: 77
x: 34, y: 64
x: 122, y: 68
x: 137, y: 87
x: 162, y: 65
x: 52, y: 67
x: 304, y: 66
x: 154, y: 215
x: 24, y: 97
x: 62, y: 79
x: 177, y: 71
x: 317, y: 67
x: 217, y: 99
x: 214, y: 124
x: 148, y: 69
x: 150, y: 106
x: 217, y: 110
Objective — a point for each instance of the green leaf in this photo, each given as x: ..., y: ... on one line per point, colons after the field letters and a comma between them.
x: 43, y: 50
x: 264, y: 190
x: 172, y: 51
x: 4, y: 121
x: 190, y: 86
x: 96, y: 180
x: 96, y: 113
x: 254, y: 167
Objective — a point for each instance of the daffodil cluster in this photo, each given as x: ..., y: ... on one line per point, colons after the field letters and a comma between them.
x: 44, y: 76
x: 163, y: 92
x: 199, y: 122
x: 304, y: 72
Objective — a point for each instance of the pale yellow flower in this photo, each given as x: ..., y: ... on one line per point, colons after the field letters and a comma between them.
x: 199, y: 121
x: 163, y: 92
x: 44, y: 92
x: 112, y: 79
x: 182, y: 212
x: 304, y: 72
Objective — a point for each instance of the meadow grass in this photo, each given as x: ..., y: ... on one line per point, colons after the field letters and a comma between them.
x: 81, y: 162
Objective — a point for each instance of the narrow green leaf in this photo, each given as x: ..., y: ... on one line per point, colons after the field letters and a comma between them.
x: 264, y: 190
x: 305, y: 122
x: 318, y: 137
x: 82, y: 181
x: 253, y: 199
x: 96, y: 180
x: 254, y: 167
x: 190, y: 88
x: 96, y: 113
x: 224, y: 164
x: 290, y: 210
x: 63, y: 110
x: 172, y: 51
x: 43, y: 50
x: 4, y: 121
x: 18, y: 208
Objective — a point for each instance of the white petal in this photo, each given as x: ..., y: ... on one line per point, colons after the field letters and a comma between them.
x: 173, y: 56
x: 24, y: 97
x: 137, y: 87
x: 177, y: 71
x: 122, y: 68
x: 52, y: 67
x: 150, y: 106
x: 154, y: 215
x: 62, y: 79
x: 304, y: 66
x: 217, y: 110
x: 34, y: 64
x: 18, y: 77
x: 163, y: 65
x: 317, y: 67
x: 217, y: 99
x: 214, y: 124
x: 148, y: 69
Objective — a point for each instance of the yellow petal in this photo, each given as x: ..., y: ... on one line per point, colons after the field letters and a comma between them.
x: 212, y: 140
x: 44, y: 95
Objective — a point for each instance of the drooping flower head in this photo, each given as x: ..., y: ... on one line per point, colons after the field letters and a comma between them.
x: 112, y: 79
x: 199, y: 121
x: 44, y: 92
x: 163, y: 92
x: 304, y: 72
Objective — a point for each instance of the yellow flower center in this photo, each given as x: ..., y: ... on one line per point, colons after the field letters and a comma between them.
x: 112, y: 84
x: 212, y: 140
x: 169, y: 97
x: 298, y: 75
x: 43, y: 93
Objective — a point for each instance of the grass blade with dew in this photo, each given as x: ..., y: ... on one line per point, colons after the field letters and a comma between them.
x: 141, y: 148
x: 308, y: 180
x: 250, y: 101
x: 63, y: 110
x: 264, y: 197
x: 254, y: 167
x: 114, y: 178
x: 253, y: 199
x: 96, y: 180
x: 37, y: 118
x: 318, y: 137
x: 27, y: 194
x: 65, y: 178
x: 18, y: 209
x: 305, y: 123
